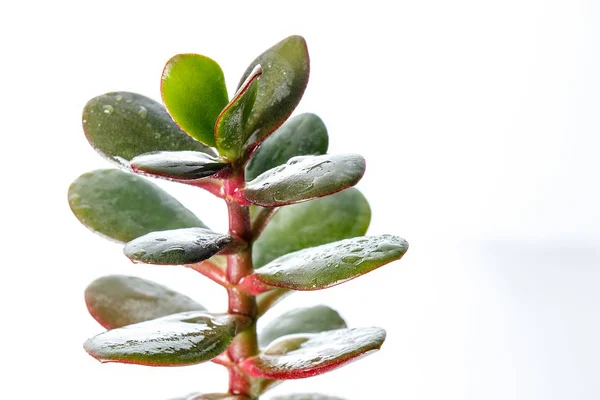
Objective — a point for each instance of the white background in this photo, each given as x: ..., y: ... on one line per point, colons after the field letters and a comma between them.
x: 479, y: 122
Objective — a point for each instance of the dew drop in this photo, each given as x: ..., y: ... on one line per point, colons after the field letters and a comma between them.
x: 107, y: 108
x: 161, y: 239
x: 118, y: 97
x: 351, y: 259
x: 143, y: 112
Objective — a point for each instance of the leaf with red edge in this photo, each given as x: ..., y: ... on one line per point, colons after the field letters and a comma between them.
x: 179, y: 339
x: 327, y: 265
x: 193, y: 89
x: 305, y: 355
x: 285, y: 70
x: 303, y: 178
x: 119, y: 300
x: 180, y: 165
x: 231, y: 128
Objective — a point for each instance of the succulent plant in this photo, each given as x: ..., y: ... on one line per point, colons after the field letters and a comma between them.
x: 295, y: 224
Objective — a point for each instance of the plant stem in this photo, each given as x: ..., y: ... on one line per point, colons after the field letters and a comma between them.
x: 239, y: 265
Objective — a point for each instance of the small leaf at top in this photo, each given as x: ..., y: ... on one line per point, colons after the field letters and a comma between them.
x: 328, y: 219
x: 123, y: 206
x: 304, y: 134
x: 119, y: 300
x: 305, y: 355
x: 193, y: 89
x: 122, y: 125
x: 303, y: 178
x: 327, y: 265
x: 183, y: 165
x: 302, y: 320
x: 180, y: 339
x: 176, y: 247
x: 285, y: 70
x: 306, y: 396
x: 230, y: 129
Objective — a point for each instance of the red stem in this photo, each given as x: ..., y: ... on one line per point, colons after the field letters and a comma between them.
x: 239, y: 265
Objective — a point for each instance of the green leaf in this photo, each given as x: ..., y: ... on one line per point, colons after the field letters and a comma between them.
x: 328, y: 219
x: 180, y: 339
x: 193, y: 89
x: 183, y: 165
x: 302, y: 320
x: 285, y: 69
x: 119, y: 300
x: 327, y: 265
x: 306, y: 396
x: 305, y: 355
x: 304, y: 134
x: 123, y: 206
x: 303, y: 178
x: 122, y: 125
x: 176, y: 247
x: 230, y: 130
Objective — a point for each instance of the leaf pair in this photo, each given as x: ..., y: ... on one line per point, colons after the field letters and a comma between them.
x: 194, y: 92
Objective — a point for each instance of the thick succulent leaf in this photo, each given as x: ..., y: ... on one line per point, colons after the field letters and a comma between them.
x: 230, y: 129
x: 123, y: 206
x: 193, y: 89
x: 302, y: 320
x: 305, y: 355
x: 306, y: 396
x: 182, y: 165
x: 328, y: 219
x: 176, y: 247
x: 304, y: 134
x: 212, y: 396
x: 179, y: 339
x: 327, y: 265
x: 285, y: 70
x: 303, y: 178
x: 119, y: 300
x: 122, y: 125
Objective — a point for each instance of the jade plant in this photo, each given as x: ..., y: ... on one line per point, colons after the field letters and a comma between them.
x: 295, y: 224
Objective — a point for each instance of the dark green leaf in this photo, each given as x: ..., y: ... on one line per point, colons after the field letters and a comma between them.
x: 327, y: 265
x: 303, y: 178
x: 184, y: 165
x: 123, y: 206
x: 285, y: 69
x: 305, y: 355
x: 328, y: 219
x: 193, y: 89
x: 230, y: 130
x: 118, y: 300
x: 122, y: 125
x: 180, y: 339
x: 304, y: 134
x: 176, y: 247
x: 302, y: 320
x: 306, y: 396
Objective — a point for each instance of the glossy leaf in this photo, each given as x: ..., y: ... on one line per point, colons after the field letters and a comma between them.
x: 304, y: 134
x: 327, y: 265
x: 123, y: 206
x: 303, y: 178
x: 328, y: 219
x: 193, y: 89
x: 231, y: 128
x: 306, y: 396
x: 119, y: 300
x: 183, y: 165
x: 302, y: 320
x: 285, y: 70
x: 176, y: 247
x: 305, y: 355
x: 179, y: 339
x: 122, y: 125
